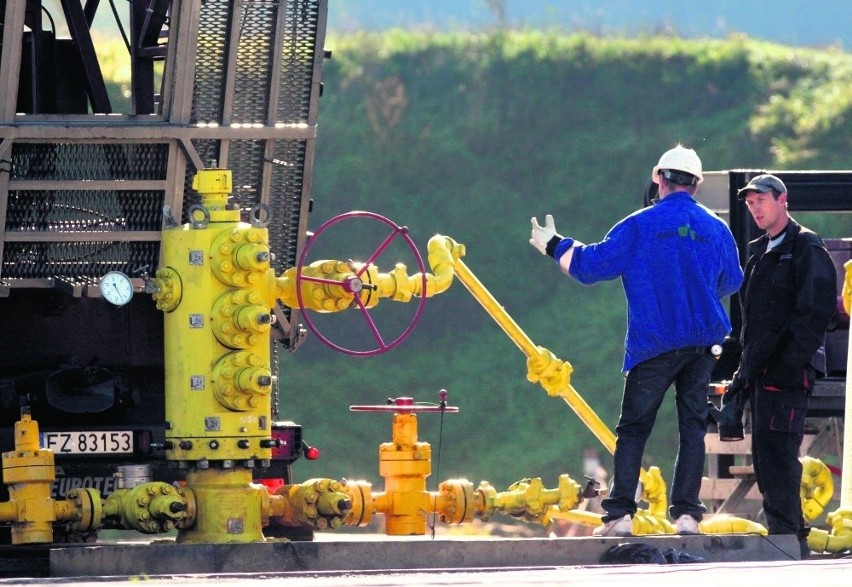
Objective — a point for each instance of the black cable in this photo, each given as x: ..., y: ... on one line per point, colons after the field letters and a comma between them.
x: 50, y: 18
x: 443, y: 406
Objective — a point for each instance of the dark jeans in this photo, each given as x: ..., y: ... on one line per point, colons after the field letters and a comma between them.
x: 777, y: 431
x: 689, y: 369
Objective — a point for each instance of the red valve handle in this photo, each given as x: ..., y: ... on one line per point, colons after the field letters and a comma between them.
x: 354, y: 284
x: 406, y: 405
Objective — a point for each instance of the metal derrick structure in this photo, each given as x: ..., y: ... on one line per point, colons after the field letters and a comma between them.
x: 85, y: 190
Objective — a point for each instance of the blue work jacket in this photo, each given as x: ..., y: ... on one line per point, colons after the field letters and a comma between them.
x: 677, y: 261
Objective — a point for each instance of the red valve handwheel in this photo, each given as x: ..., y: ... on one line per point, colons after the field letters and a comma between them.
x: 351, y: 284
x: 404, y: 404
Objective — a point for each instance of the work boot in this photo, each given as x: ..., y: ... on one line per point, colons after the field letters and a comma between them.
x: 622, y: 526
x: 804, y: 549
x: 686, y: 524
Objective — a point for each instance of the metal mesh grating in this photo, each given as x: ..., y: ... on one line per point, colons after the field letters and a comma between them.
x: 297, y: 60
x: 89, y: 161
x: 246, y: 162
x: 84, y: 211
x: 254, y: 56
x: 77, y: 261
x: 210, y: 61
x: 287, y: 177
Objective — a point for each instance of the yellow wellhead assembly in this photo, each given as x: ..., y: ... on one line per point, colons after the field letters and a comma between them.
x: 217, y: 291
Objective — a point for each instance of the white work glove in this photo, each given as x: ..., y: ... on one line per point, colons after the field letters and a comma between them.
x: 541, y: 235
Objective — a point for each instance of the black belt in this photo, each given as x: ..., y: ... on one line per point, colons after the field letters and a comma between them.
x: 714, y: 350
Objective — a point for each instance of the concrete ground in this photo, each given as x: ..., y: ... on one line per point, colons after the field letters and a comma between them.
x: 348, y: 555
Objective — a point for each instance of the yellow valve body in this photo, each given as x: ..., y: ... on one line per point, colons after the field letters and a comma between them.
x: 229, y: 507
x: 217, y: 350
x: 29, y: 472
x: 405, y: 464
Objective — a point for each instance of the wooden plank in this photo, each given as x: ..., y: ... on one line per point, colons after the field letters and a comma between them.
x: 741, y: 470
x: 721, y: 489
x: 712, y: 445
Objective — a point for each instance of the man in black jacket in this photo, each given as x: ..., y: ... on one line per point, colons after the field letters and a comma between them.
x: 788, y: 298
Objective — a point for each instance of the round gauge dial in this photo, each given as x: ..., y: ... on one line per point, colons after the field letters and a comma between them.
x: 116, y: 288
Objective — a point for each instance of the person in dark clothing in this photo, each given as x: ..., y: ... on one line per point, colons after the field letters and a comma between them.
x: 788, y: 298
x: 677, y: 261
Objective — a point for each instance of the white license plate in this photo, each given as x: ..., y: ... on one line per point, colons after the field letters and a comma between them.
x: 85, y: 443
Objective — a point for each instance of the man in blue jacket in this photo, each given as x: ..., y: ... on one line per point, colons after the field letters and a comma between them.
x: 677, y: 261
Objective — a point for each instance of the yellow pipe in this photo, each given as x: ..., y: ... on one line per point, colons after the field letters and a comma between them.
x: 583, y: 517
x: 324, y: 283
x: 730, y: 525
x: 443, y: 251
x: 456, y: 502
x: 553, y: 374
x: 529, y: 500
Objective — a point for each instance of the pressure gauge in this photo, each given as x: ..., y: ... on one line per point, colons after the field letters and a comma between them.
x: 116, y: 288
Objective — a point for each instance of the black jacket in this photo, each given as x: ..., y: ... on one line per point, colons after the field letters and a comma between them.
x: 788, y: 299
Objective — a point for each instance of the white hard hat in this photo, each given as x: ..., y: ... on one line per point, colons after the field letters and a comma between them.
x: 679, y: 159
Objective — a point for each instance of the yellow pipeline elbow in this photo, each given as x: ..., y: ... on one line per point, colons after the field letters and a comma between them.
x: 654, y: 491
x: 443, y: 253
x: 817, y: 487
x: 401, y: 287
x: 840, y: 538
